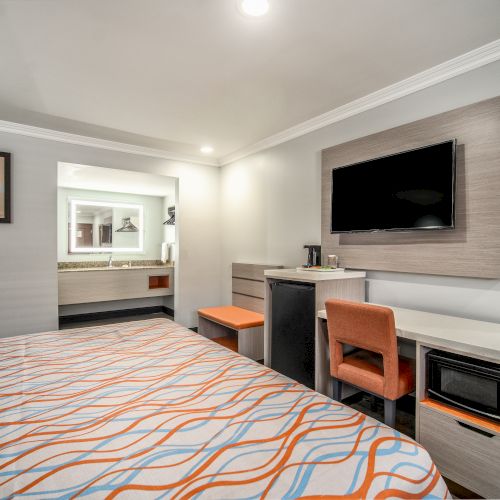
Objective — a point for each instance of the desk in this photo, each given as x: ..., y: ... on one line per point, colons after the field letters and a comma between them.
x: 479, y: 339
x: 463, y: 456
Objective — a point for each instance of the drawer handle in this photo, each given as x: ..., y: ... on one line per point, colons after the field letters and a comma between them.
x: 475, y: 429
x: 465, y: 407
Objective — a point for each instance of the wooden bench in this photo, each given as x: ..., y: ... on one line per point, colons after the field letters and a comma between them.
x: 244, y: 320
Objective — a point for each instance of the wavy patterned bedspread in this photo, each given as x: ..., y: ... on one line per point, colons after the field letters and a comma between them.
x: 151, y: 409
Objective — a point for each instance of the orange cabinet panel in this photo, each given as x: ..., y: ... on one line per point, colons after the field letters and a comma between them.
x: 159, y: 282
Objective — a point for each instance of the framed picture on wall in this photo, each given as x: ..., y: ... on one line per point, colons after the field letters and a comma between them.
x: 5, y: 214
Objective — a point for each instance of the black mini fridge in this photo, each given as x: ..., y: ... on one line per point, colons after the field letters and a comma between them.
x: 292, y: 330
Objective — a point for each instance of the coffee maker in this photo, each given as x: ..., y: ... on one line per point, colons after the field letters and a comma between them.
x: 313, y: 255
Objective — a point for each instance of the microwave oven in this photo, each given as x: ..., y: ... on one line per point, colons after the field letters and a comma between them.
x: 465, y: 383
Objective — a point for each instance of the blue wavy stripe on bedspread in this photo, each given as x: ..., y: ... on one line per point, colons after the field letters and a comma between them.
x: 150, y: 409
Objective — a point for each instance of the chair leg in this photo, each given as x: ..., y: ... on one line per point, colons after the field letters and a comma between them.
x: 337, y: 389
x: 390, y: 412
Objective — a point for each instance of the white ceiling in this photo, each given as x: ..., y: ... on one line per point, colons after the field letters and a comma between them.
x: 181, y: 73
x: 74, y: 176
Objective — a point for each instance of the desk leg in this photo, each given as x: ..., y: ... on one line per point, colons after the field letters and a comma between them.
x: 420, y: 384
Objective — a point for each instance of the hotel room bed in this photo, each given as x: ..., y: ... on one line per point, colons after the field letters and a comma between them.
x: 151, y: 409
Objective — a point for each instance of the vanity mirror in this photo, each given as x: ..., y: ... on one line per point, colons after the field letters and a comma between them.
x: 103, y: 227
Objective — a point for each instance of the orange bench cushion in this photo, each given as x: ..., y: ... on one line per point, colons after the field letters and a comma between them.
x: 232, y: 316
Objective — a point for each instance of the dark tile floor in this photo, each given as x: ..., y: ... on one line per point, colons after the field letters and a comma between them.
x: 374, y: 407
x: 110, y: 321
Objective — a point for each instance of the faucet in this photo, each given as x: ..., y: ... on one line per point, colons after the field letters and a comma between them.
x: 110, y: 261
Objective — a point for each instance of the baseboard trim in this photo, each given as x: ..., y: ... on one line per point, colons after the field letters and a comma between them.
x: 168, y: 310
x: 120, y: 313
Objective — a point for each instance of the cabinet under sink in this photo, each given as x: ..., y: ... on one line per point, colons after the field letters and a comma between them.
x: 87, y: 286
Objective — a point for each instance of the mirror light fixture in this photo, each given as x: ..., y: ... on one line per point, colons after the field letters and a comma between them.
x: 254, y: 8
x: 73, y: 228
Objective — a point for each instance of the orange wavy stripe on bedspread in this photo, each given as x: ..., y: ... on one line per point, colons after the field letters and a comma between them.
x: 155, y: 408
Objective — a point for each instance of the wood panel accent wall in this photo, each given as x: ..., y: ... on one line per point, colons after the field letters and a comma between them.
x: 473, y: 247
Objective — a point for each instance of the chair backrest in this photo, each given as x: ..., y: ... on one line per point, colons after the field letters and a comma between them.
x: 248, y: 285
x: 368, y: 327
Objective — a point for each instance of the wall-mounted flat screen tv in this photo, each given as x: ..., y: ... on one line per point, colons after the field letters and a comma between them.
x: 400, y: 192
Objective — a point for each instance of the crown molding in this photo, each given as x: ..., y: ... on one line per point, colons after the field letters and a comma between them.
x: 93, y: 142
x: 469, y: 61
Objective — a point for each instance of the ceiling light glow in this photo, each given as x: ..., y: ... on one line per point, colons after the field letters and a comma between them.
x: 254, y: 8
x: 206, y: 150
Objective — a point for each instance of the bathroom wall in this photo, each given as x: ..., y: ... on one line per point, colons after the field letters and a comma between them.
x: 153, y: 224
x: 155, y: 213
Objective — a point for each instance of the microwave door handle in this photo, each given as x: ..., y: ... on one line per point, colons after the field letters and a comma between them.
x: 455, y: 403
x: 475, y: 429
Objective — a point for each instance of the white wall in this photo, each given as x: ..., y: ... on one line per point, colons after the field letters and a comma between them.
x: 28, y: 246
x: 268, y: 208
x: 153, y: 225
x: 271, y: 202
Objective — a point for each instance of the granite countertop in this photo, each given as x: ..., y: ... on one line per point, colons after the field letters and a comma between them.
x: 114, y: 268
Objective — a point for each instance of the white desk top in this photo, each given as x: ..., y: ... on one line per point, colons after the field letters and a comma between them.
x: 312, y: 276
x: 467, y: 335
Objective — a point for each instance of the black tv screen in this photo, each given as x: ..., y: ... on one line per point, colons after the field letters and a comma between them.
x: 405, y: 191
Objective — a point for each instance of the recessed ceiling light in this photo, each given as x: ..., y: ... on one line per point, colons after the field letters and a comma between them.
x: 254, y: 8
x: 206, y: 150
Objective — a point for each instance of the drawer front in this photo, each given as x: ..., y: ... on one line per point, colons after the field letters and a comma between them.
x: 460, y: 453
x: 248, y: 287
x: 246, y: 302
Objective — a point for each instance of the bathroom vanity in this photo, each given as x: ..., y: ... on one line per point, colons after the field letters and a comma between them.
x: 83, y: 285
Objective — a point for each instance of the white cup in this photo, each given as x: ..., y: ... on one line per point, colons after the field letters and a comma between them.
x: 333, y: 261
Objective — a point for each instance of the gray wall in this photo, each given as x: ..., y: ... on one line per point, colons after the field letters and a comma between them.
x: 260, y: 209
x: 28, y: 246
x: 271, y: 202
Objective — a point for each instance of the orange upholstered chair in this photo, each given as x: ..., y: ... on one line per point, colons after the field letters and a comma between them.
x: 376, y: 367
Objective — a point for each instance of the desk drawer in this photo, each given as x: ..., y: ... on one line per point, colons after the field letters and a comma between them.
x: 465, y: 456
